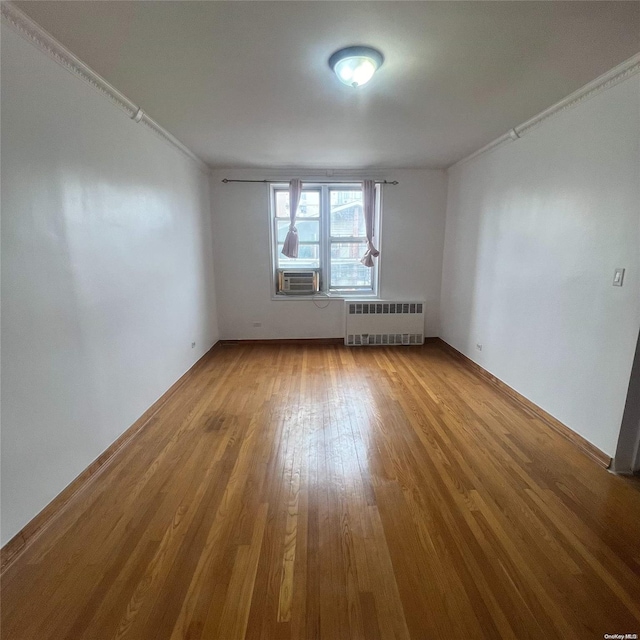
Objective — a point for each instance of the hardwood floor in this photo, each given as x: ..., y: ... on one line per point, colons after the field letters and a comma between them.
x: 327, y: 492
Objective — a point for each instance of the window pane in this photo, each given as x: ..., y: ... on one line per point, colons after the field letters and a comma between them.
x: 346, y: 268
x: 347, y: 217
x: 308, y: 256
x: 309, y: 206
x: 308, y: 230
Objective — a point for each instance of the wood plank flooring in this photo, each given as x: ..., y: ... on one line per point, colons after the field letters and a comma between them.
x: 322, y: 492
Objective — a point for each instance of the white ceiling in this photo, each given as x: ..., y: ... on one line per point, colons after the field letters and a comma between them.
x: 247, y: 83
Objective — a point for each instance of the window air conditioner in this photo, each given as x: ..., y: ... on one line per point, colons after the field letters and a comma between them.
x: 298, y: 281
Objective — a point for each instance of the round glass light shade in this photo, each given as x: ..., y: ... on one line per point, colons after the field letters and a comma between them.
x: 355, y: 66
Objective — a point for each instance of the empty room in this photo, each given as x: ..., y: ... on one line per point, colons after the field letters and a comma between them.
x: 320, y: 320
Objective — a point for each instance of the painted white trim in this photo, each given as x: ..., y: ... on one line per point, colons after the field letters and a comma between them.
x: 324, y: 242
x: 605, y: 81
x: 34, y: 33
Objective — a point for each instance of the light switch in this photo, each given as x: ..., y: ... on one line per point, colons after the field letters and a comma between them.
x: 618, y: 277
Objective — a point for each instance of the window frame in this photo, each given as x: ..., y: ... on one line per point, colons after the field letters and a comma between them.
x: 275, y: 188
x: 325, y: 240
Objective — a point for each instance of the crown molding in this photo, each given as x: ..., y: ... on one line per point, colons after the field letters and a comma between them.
x: 34, y: 33
x: 607, y: 80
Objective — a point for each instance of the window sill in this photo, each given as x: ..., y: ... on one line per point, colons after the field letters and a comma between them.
x: 328, y: 296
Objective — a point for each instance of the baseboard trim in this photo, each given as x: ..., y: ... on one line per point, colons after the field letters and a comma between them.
x: 287, y: 341
x: 585, y: 446
x: 14, y: 548
x: 303, y: 342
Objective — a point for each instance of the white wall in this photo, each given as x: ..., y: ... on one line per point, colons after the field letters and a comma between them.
x: 534, y: 232
x: 412, y: 237
x: 107, y: 275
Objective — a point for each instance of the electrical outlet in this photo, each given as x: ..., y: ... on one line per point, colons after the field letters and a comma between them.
x: 478, y: 346
x: 193, y: 345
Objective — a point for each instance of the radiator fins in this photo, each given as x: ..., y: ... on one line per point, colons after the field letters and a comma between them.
x: 357, y: 308
x: 362, y: 339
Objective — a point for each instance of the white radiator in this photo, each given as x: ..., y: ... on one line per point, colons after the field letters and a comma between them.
x: 384, y: 322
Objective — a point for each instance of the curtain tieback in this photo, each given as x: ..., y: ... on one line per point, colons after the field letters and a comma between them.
x: 372, y: 250
x: 370, y: 254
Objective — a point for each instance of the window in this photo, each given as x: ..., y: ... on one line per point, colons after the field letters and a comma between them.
x: 331, y: 234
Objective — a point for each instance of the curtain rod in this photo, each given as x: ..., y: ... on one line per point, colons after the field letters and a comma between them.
x: 328, y: 181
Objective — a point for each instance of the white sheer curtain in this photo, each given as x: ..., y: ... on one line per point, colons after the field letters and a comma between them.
x: 369, y: 199
x: 290, y: 248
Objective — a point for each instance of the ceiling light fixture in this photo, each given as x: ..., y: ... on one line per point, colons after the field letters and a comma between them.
x: 355, y: 66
